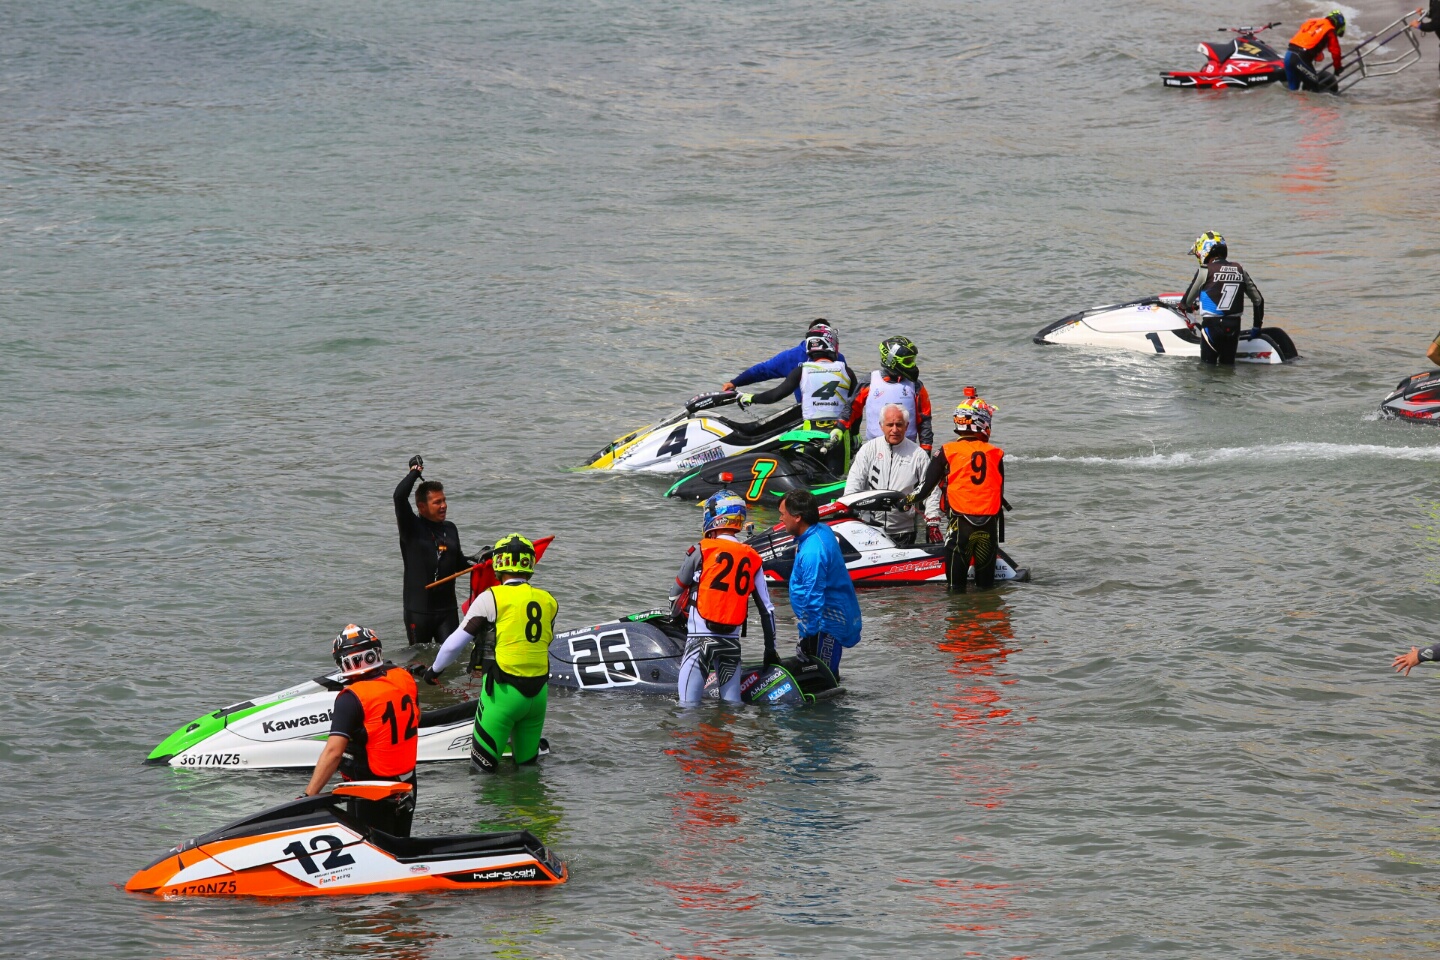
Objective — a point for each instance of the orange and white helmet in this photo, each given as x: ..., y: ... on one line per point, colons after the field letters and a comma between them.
x: 973, y: 415
x: 357, y: 650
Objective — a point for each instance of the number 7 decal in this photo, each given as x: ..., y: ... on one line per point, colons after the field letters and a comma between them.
x: 760, y: 470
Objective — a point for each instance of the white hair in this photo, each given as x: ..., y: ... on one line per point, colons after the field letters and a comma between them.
x: 904, y: 413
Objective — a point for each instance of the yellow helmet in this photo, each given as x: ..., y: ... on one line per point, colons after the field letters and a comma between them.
x: 513, y: 554
x: 1209, y: 244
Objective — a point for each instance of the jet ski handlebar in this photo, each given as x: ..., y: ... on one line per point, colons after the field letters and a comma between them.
x: 708, y: 401
x: 1248, y: 31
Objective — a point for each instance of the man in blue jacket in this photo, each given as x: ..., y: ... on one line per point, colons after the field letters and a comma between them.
x: 821, y: 593
x: 783, y: 363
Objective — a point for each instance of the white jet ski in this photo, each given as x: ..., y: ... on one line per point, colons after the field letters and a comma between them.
x: 1156, y: 325
x: 686, y: 441
x: 871, y: 557
x: 289, y: 728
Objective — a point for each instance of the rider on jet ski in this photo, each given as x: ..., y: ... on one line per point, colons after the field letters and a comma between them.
x: 719, y: 575
x: 973, y: 471
x: 825, y: 384
x: 372, y: 730
x: 897, y: 381
x: 1216, y: 289
x: 783, y: 363
x: 1308, y: 48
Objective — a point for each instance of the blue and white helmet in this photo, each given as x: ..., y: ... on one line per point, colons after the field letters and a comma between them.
x: 725, y: 511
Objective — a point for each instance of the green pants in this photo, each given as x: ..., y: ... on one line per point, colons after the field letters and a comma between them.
x: 502, y: 714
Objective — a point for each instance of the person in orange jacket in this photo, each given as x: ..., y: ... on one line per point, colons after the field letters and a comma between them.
x: 1308, y: 48
x: 973, y: 472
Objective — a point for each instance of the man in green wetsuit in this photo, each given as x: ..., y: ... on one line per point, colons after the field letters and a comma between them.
x: 513, y: 694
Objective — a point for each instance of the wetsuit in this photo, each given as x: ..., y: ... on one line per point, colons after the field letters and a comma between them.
x: 1307, y: 48
x: 431, y: 552
x: 1216, y: 288
x: 825, y: 387
x: 717, y: 578
x: 379, y: 715
x: 973, y: 474
x: 1431, y: 22
x: 513, y: 696
x: 779, y: 366
x: 883, y: 390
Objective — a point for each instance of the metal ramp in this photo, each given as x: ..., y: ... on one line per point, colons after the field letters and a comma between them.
x: 1368, y: 59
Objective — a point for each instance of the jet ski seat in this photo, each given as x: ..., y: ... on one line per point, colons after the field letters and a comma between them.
x: 409, y: 849
x: 753, y: 431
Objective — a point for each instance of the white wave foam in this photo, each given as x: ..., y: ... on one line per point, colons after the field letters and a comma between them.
x: 1278, y: 451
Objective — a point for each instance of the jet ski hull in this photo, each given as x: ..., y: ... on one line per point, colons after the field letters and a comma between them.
x: 871, y: 557
x: 1416, y: 399
x: 764, y: 475
x: 312, y: 847
x: 289, y: 729
x: 1243, y: 62
x: 686, y: 441
x: 1154, y: 326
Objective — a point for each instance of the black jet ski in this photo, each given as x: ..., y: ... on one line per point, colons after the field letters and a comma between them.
x: 641, y: 654
x: 1416, y: 398
x: 795, y: 460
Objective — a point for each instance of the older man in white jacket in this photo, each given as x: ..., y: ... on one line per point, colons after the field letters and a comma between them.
x: 892, y: 461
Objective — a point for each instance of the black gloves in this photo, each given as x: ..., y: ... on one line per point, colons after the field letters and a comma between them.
x: 420, y: 671
x: 417, y: 462
x: 431, y: 677
x: 772, y: 657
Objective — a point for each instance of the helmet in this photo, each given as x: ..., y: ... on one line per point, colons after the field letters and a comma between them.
x: 1337, y: 18
x: 822, y: 340
x: 356, y: 650
x: 898, y: 356
x: 1208, y: 246
x: 820, y: 323
x: 725, y: 510
x: 513, y: 554
x: 973, y: 415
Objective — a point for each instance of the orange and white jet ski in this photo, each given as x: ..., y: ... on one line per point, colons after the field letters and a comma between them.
x: 312, y: 847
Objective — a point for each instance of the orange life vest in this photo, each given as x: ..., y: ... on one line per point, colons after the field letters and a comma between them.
x: 727, y: 576
x: 392, y: 722
x: 974, y: 484
x: 1312, y: 33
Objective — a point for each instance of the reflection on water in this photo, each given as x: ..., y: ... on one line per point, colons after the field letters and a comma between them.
x: 520, y: 800
x: 706, y: 870
x: 1310, y: 166
x: 978, y: 641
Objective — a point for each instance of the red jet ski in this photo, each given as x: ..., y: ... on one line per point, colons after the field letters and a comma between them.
x: 1243, y: 62
x: 1416, y: 398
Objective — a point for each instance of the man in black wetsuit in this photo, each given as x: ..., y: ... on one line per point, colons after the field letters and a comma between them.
x: 1431, y: 21
x: 430, y: 545
x: 1219, y: 289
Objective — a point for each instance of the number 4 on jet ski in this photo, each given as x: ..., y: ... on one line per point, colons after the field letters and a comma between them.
x: 685, y: 440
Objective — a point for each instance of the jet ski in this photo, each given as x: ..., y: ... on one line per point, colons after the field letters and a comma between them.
x: 289, y: 728
x: 1156, y: 325
x: 873, y: 559
x: 313, y: 846
x: 1416, y: 398
x: 795, y: 460
x: 641, y: 654
x: 686, y: 441
x: 1245, y: 61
